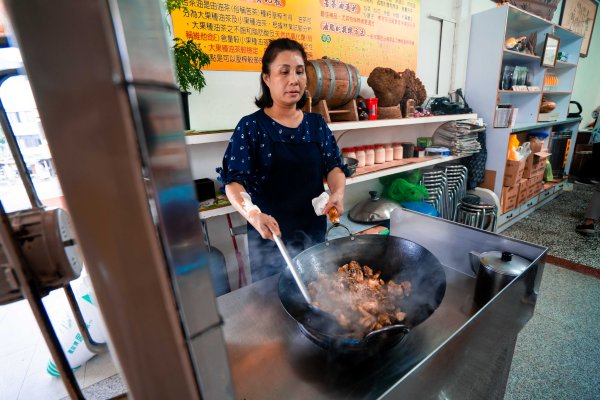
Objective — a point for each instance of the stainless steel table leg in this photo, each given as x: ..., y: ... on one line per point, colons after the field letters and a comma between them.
x: 205, y: 233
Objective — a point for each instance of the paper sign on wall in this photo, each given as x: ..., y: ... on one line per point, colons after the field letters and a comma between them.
x: 364, y: 33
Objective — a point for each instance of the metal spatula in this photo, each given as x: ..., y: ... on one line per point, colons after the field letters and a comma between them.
x: 293, y: 269
x: 321, y: 318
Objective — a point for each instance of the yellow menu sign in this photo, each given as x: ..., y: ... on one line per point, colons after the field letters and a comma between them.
x: 364, y: 33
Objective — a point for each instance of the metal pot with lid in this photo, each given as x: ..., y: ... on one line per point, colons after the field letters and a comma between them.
x: 495, y: 270
x: 373, y: 209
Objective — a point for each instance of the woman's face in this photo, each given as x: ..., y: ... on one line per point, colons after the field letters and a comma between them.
x: 287, y: 78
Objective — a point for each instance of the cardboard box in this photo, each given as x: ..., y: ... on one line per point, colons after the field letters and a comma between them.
x: 535, y: 187
x: 540, y: 157
x: 539, y: 168
x: 533, y: 180
x: 536, y: 145
x: 539, y: 188
x: 538, y: 177
x: 489, y: 180
x: 535, y: 163
x: 528, y: 166
x: 509, y: 197
x: 513, y: 172
x: 508, y: 206
x: 523, y: 191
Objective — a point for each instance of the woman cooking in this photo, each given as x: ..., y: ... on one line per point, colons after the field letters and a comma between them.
x: 279, y: 156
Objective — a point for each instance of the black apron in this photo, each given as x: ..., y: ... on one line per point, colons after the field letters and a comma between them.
x: 295, y: 178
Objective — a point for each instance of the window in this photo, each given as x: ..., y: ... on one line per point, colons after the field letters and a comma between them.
x: 25, y: 122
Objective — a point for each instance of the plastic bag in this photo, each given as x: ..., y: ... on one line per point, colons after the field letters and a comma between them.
x: 421, y: 207
x: 413, y: 177
x: 513, y: 145
x: 403, y: 191
x: 548, y: 176
x: 71, y: 340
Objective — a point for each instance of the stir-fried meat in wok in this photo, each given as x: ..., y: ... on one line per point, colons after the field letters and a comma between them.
x: 359, y: 299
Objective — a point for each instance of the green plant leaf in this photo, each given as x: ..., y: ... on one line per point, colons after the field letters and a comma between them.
x: 172, y: 5
x: 189, y: 60
x: 189, y: 57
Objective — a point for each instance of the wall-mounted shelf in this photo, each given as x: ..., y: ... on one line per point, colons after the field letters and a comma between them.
x: 510, y: 55
x: 487, y: 62
x: 562, y: 65
x: 414, y: 163
x: 343, y: 126
x: 215, y: 212
x: 193, y: 138
x: 520, y: 91
x: 207, y: 137
x: 537, y: 125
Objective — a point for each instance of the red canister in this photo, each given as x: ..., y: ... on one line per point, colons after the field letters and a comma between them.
x: 372, y: 107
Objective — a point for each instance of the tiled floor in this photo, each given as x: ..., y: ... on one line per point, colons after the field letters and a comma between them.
x: 557, y: 354
x: 24, y: 356
x: 553, y: 226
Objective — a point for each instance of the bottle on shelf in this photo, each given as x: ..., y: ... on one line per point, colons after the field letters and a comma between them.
x: 369, y: 155
x: 398, y: 151
x: 360, y: 155
x: 389, y: 152
x: 349, y: 152
x: 379, y: 153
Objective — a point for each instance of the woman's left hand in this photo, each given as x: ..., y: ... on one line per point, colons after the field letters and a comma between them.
x: 336, y: 200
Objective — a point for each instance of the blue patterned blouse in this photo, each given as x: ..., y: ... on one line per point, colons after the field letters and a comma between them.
x: 247, y: 159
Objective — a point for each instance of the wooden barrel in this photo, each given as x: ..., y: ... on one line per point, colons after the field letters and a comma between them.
x: 333, y: 81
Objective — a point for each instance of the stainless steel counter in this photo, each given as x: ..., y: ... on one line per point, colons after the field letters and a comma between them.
x: 461, y: 351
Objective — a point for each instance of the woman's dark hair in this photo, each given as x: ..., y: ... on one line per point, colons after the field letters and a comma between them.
x: 273, y: 49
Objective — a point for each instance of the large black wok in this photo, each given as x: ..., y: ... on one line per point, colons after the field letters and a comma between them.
x: 397, y: 259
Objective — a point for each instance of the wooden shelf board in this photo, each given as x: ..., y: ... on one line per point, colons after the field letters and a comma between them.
x: 520, y: 91
x: 215, y: 212
x: 362, y: 174
x: 198, y: 137
x: 567, y: 34
x: 561, y: 93
x: 515, y: 55
x: 534, y: 125
x: 207, y: 137
x: 342, y: 126
x: 562, y: 64
x: 396, y: 166
x: 525, y: 19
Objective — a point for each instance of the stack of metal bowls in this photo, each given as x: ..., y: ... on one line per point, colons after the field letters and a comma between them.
x: 457, y: 187
x: 446, y: 186
x: 437, y: 185
x: 473, y: 213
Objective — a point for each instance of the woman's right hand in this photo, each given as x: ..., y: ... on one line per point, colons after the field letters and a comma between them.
x: 266, y: 225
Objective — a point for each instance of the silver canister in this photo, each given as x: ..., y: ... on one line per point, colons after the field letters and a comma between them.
x: 495, y: 270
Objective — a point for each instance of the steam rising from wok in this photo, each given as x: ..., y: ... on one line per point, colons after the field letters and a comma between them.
x: 398, y: 259
x: 359, y: 299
